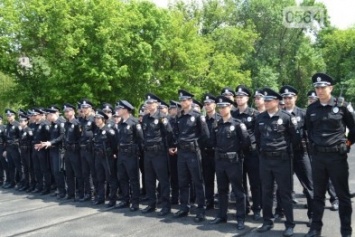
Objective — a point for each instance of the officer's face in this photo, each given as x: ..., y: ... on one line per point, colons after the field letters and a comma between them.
x: 241, y: 100
x: 225, y: 110
x: 99, y: 121
x: 86, y: 110
x: 116, y: 119
x: 151, y: 106
x: 210, y: 107
x: 324, y: 93
x: 69, y: 113
x: 259, y: 101
x: 23, y: 123
x: 186, y: 104
x: 173, y: 111
x: 51, y: 117
x: 271, y: 105
x: 290, y: 101
x: 10, y: 118
x: 164, y: 110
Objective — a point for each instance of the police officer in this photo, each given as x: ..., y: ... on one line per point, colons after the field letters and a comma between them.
x: 230, y: 137
x: 158, y: 134
x: 41, y: 167
x: 312, y: 97
x: 3, y: 162
x: 129, y: 138
x: 105, y: 148
x: 25, y: 141
x: 301, y: 160
x: 72, y: 154
x: 192, y: 127
x: 87, y: 124
x: 12, y: 135
x: 54, y: 144
x: 207, y: 150
x: 247, y: 116
x: 163, y: 108
x: 31, y: 125
x: 174, y: 181
x: 259, y: 101
x: 275, y: 133
x: 326, y: 122
x: 108, y: 110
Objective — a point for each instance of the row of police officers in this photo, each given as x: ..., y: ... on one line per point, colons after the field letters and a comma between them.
x: 96, y: 155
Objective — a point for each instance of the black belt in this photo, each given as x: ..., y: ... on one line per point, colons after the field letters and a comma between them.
x: 188, y: 146
x: 273, y: 154
x: 157, y: 147
x: 341, y: 148
x: 230, y: 156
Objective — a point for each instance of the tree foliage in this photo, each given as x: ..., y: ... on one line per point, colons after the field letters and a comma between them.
x: 107, y: 50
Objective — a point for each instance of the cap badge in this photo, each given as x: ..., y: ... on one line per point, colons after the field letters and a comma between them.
x: 286, y: 91
x: 319, y: 79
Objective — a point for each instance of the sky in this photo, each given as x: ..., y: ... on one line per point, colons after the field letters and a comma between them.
x: 341, y: 12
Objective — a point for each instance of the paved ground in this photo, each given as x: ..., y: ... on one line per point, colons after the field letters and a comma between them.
x: 31, y: 215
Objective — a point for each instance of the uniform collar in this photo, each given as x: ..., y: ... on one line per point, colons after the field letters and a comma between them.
x: 246, y: 111
x: 230, y: 120
x: 155, y: 115
x: 331, y: 102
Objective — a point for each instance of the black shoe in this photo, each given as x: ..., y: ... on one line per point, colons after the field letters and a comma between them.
x: 60, y: 195
x: 87, y: 197
x: 30, y: 189
x: 45, y: 192
x: 69, y: 197
x: 313, y: 233
x: 218, y: 220
x: 199, y: 217
x: 148, y: 209
x: 309, y: 223
x: 98, y: 202
x: 23, y: 188
x: 37, y: 190
x: 210, y: 206
x: 256, y: 216
x: 122, y: 205
x: 288, y: 232
x: 240, y: 225
x: 111, y: 204
x: 335, y: 206
x: 294, y: 201
x: 265, y: 228
x: 164, y: 211
x: 134, y: 208
x: 9, y: 185
x: 279, y: 216
x: 346, y: 235
x: 180, y: 213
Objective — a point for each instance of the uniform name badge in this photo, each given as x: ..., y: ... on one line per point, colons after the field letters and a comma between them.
x: 128, y: 127
x: 279, y: 121
x: 232, y: 128
x: 103, y: 132
x: 298, y: 118
x: 335, y: 110
x: 192, y: 119
x: 156, y: 121
x: 249, y: 119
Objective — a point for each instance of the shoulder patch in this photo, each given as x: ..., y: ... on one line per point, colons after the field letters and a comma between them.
x: 139, y: 127
x: 164, y: 121
x: 243, y: 127
x: 62, y: 125
x: 112, y: 131
x: 203, y: 118
x: 30, y: 133
x: 294, y: 121
x: 350, y: 108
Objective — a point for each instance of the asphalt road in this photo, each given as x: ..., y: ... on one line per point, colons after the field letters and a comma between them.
x: 22, y: 214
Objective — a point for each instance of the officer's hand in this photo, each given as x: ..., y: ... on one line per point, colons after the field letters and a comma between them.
x: 172, y: 151
x: 4, y: 154
x: 114, y: 156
